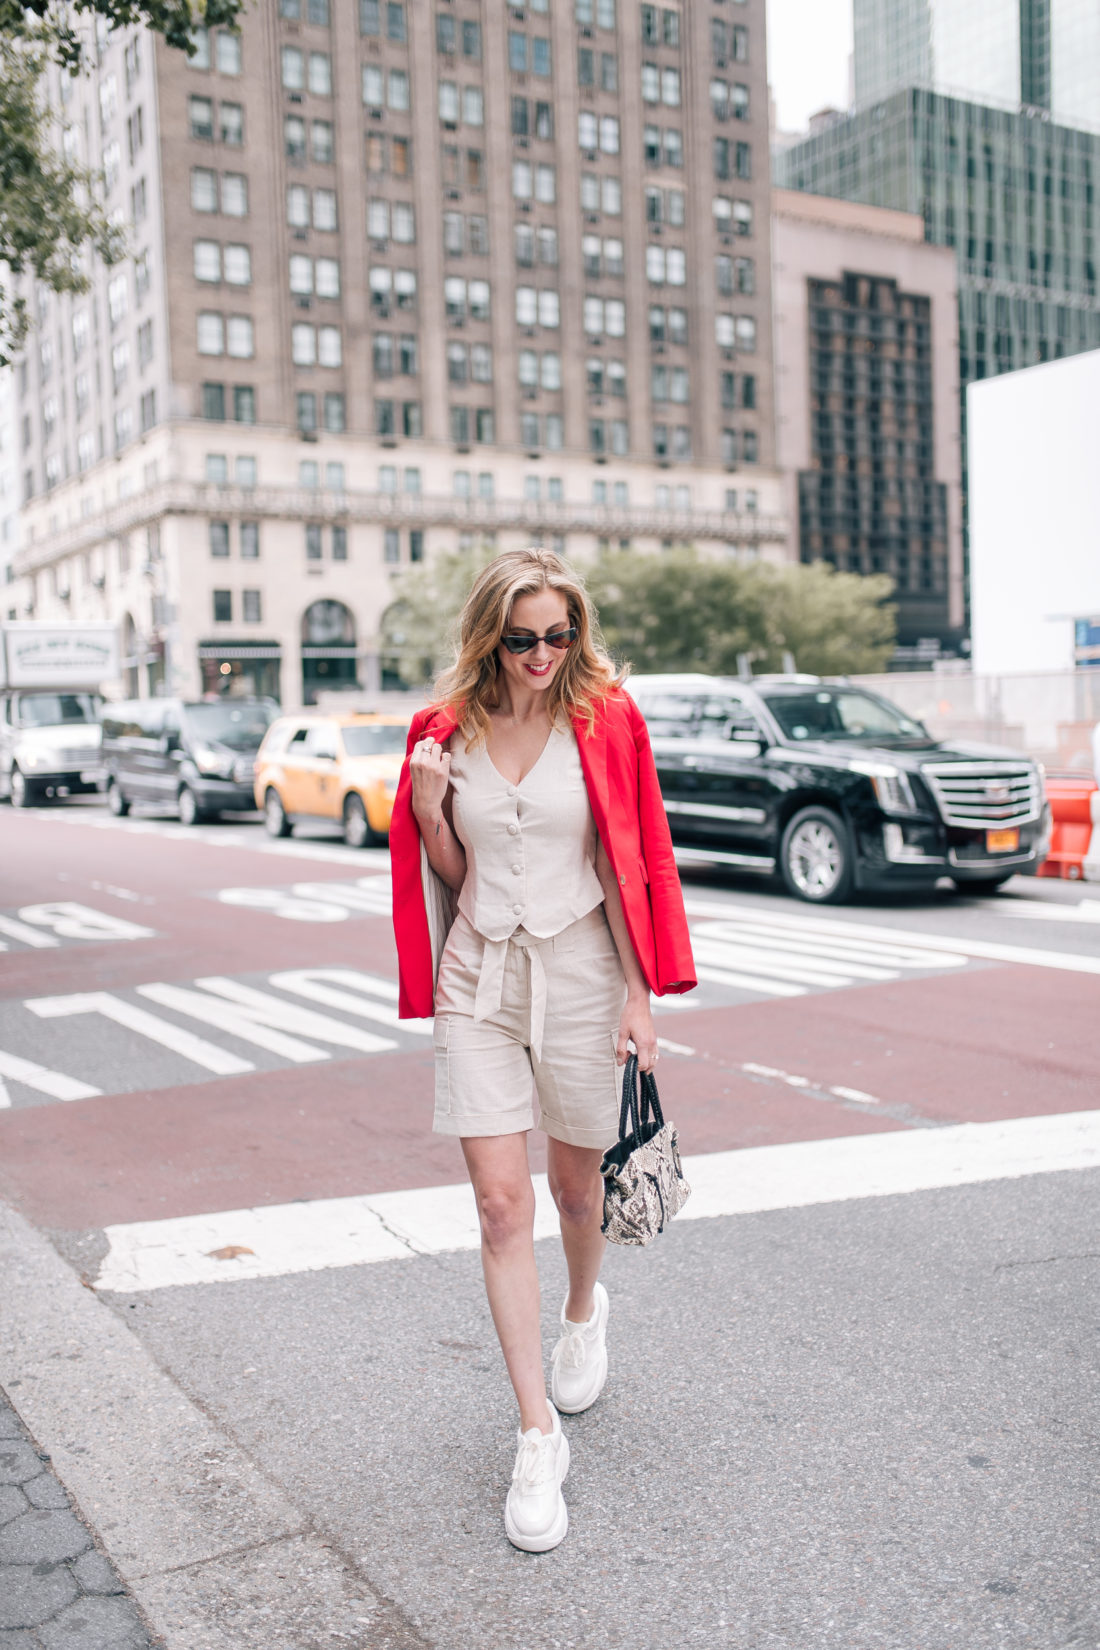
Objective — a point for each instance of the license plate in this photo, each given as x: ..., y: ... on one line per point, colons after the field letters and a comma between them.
x: 1000, y: 842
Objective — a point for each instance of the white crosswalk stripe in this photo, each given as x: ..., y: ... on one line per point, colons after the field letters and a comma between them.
x: 780, y: 955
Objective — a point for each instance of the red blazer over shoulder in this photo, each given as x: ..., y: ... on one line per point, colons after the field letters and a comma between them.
x: 625, y: 799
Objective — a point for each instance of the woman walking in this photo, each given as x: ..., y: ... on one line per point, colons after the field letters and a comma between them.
x: 529, y: 812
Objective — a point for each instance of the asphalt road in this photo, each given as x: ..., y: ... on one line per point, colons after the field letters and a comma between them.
x: 834, y: 1419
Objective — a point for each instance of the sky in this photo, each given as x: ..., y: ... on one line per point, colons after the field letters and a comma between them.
x: 809, y: 42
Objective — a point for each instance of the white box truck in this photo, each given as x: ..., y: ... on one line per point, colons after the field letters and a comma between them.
x: 50, y: 681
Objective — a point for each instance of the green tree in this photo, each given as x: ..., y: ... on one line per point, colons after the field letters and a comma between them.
x: 680, y: 611
x: 50, y: 218
x: 674, y: 611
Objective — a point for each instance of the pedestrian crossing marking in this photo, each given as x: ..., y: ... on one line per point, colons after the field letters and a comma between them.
x: 278, y: 1240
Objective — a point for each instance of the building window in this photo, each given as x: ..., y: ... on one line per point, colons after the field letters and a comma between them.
x: 335, y: 412
x: 339, y: 543
x: 294, y: 138
x: 210, y: 333
x: 231, y: 124
x: 391, y: 545
x: 213, y: 401
x: 204, y: 189
x: 227, y: 52
x: 200, y: 113
x: 244, y: 404
x: 250, y: 540
x: 251, y: 606
x: 306, y: 410
x: 234, y: 194
x: 313, y: 541
x: 223, y: 606
x: 238, y: 337
x: 237, y: 265
x: 219, y: 538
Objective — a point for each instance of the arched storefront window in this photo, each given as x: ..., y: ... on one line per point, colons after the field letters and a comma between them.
x: 329, y: 650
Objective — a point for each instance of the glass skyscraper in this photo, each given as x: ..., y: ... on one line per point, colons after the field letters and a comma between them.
x: 1042, y: 54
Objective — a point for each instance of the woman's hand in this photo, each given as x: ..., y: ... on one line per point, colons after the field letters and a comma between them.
x: 430, y: 770
x: 636, y: 1023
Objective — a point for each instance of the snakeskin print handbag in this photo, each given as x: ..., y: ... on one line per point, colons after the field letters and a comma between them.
x: 644, y: 1183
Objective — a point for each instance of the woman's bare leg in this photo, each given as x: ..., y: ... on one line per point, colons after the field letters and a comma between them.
x: 506, y: 1209
x: 577, y: 1188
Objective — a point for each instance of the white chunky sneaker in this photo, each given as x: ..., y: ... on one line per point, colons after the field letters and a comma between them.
x: 580, y: 1358
x: 535, y: 1517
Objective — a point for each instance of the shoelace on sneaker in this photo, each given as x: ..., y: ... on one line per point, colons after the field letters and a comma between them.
x: 571, y: 1351
x: 534, y: 1463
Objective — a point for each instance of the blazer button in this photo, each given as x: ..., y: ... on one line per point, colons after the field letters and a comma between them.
x: 517, y: 909
x: 622, y: 878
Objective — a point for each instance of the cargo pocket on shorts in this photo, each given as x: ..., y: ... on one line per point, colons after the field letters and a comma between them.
x: 441, y: 1036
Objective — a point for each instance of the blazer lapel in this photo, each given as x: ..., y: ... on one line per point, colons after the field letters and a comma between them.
x: 593, y: 754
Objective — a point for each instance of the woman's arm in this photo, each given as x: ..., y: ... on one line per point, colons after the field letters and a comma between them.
x: 636, y: 1022
x: 430, y: 771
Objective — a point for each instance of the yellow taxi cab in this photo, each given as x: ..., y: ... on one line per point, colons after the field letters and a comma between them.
x: 344, y: 768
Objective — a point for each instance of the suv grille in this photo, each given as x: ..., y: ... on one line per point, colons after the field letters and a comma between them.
x: 982, y: 794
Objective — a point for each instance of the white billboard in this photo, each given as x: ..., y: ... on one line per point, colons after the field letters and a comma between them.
x: 1034, y: 489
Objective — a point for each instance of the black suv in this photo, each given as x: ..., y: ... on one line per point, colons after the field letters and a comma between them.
x: 835, y: 787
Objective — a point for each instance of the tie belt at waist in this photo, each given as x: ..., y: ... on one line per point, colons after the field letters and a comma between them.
x: 490, y: 985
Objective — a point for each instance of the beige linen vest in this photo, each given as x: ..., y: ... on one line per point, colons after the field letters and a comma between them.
x: 531, y: 847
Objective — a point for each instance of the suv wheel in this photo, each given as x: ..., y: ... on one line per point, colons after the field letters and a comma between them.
x: 116, y: 802
x: 275, y: 821
x: 188, y: 804
x: 815, y: 857
x: 358, y: 831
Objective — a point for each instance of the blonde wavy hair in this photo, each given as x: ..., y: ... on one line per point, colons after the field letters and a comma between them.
x: 586, y: 674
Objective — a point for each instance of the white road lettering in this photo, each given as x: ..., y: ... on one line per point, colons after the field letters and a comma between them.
x: 29, y: 936
x: 280, y: 903
x: 80, y: 922
x: 41, y: 1079
x: 252, y: 1008
x: 350, y: 990
x: 195, y: 1049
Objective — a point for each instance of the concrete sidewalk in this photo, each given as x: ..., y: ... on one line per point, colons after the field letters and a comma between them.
x: 853, y: 1426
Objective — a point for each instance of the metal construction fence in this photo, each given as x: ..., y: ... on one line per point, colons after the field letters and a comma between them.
x: 1051, y: 716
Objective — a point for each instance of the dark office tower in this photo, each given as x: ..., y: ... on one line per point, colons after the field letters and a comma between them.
x: 1035, y: 53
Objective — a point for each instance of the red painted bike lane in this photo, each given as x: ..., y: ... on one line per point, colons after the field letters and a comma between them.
x: 985, y: 1042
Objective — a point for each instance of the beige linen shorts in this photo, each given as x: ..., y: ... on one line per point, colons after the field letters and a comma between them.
x: 553, y: 1033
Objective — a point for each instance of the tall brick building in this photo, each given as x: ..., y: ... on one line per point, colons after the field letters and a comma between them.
x: 403, y: 277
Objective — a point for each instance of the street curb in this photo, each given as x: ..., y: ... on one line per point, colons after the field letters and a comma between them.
x: 216, y: 1555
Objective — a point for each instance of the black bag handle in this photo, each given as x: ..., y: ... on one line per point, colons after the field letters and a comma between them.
x: 638, y: 1115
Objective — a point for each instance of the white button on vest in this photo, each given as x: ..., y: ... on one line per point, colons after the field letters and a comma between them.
x: 513, y: 830
x: 517, y: 909
x: 511, y: 790
x: 517, y: 870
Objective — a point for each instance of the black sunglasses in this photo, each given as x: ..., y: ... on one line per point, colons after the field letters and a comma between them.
x: 559, y: 639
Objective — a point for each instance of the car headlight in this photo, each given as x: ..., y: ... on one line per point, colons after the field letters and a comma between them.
x: 891, y: 786
x: 27, y: 759
x: 210, y: 761
x: 894, y: 792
